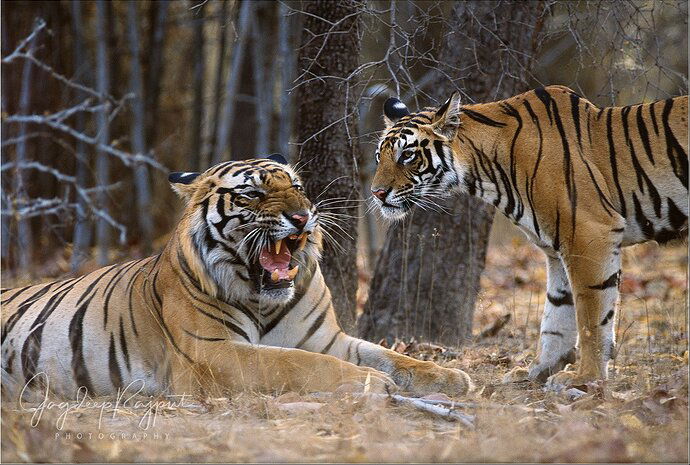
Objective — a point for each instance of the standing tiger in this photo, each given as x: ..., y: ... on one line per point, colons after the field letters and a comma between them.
x: 580, y: 181
x: 235, y: 300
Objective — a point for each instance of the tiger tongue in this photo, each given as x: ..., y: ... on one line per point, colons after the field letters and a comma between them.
x: 279, y: 262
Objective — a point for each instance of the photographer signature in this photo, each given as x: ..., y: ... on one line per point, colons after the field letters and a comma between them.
x: 127, y: 397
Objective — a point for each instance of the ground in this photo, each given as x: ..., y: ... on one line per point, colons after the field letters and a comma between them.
x: 639, y: 414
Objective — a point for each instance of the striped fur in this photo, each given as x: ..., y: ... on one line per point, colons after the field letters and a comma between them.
x: 580, y: 181
x: 199, y: 315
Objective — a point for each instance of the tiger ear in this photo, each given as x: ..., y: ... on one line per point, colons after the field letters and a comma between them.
x: 183, y: 184
x: 446, y: 121
x: 393, y: 110
x: 278, y: 158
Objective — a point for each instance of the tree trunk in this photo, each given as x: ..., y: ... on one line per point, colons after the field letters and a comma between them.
x: 103, y: 235
x: 5, y: 203
x: 263, y: 80
x: 285, y: 63
x: 138, y: 127
x: 154, y: 74
x: 225, y: 123
x: 82, y: 227
x: 244, y: 130
x: 427, y: 276
x: 24, y: 232
x: 198, y: 86
x: 218, y: 84
x: 329, y: 144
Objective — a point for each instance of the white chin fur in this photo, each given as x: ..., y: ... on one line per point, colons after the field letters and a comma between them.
x: 277, y: 296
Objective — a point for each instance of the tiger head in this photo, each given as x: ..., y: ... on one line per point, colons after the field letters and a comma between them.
x: 415, y: 157
x: 248, y: 229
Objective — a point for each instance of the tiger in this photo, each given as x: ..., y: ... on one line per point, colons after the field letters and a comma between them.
x: 235, y: 301
x: 580, y: 181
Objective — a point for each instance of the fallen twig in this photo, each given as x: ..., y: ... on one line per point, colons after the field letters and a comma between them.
x: 447, y: 412
x: 442, y: 408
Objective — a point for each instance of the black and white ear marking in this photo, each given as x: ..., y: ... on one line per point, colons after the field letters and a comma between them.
x: 278, y: 158
x: 182, y: 178
x: 182, y: 184
x: 394, y: 109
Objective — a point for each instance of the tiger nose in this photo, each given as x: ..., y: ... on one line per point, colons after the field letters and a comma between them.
x: 298, y: 219
x: 380, y: 194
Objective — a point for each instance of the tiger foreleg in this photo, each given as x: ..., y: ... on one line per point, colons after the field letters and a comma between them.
x: 594, y: 272
x: 558, y: 331
x: 237, y: 367
x: 416, y: 376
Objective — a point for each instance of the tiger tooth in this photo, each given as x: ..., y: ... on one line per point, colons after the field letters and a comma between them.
x: 302, y: 241
x: 293, y: 272
x: 278, y: 244
x: 275, y: 276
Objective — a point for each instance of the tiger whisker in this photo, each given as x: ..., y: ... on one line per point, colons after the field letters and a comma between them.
x: 329, y: 185
x: 329, y: 238
x: 423, y: 201
x: 328, y: 223
x: 341, y: 215
x: 333, y: 202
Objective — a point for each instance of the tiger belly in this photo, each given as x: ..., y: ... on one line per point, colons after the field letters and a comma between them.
x: 645, y: 224
x: 59, y: 336
x: 66, y: 357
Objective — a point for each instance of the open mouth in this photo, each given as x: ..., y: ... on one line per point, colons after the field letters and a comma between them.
x: 278, y: 269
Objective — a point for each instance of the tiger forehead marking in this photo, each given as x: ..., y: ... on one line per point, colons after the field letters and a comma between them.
x: 259, y: 173
x: 276, y: 186
x: 408, y: 127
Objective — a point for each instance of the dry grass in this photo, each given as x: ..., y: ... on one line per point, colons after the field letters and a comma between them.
x: 640, y: 414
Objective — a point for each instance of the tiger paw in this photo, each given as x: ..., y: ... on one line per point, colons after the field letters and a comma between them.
x: 456, y: 382
x: 568, y: 378
x: 516, y: 375
x: 429, y: 378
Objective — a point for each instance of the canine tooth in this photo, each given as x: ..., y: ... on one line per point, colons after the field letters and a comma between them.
x: 293, y: 272
x: 294, y: 236
x: 302, y: 241
x: 274, y: 276
x: 278, y: 244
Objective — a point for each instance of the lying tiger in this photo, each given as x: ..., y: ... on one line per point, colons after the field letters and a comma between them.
x: 580, y: 181
x: 236, y: 300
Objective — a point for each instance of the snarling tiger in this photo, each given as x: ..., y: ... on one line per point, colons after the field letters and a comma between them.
x: 580, y: 181
x: 236, y: 300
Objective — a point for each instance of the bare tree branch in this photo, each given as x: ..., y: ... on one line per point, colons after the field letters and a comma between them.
x: 126, y: 158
